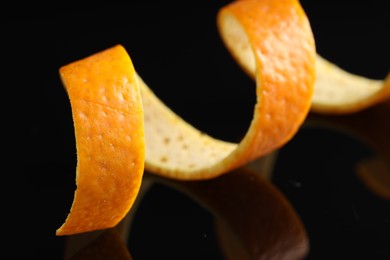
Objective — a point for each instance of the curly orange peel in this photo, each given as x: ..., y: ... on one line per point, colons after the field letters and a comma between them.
x: 113, y: 109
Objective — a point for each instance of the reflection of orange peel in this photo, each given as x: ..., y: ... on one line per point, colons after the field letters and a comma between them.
x: 107, y: 245
x: 372, y: 127
x: 253, y: 219
x: 375, y: 174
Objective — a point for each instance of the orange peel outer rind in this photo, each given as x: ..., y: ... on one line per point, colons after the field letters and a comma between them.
x: 109, y: 130
x: 284, y: 53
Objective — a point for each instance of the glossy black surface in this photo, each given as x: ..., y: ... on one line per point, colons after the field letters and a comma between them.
x: 177, y: 50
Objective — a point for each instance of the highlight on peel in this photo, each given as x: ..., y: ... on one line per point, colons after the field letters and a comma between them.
x: 276, y: 37
x: 340, y: 92
x: 109, y: 130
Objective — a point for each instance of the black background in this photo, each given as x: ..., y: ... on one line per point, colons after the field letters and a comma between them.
x: 176, y: 48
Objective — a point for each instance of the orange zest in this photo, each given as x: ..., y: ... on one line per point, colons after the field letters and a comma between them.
x: 121, y: 126
x: 109, y: 130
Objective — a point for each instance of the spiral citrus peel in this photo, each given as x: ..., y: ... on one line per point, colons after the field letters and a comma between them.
x: 113, y: 108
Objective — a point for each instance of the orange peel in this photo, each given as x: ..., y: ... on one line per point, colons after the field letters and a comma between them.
x: 122, y: 127
x: 109, y: 130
